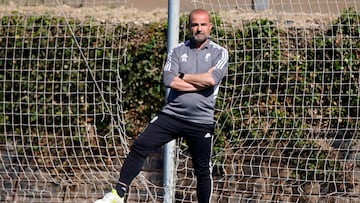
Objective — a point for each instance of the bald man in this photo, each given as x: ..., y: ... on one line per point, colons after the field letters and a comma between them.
x: 193, y: 72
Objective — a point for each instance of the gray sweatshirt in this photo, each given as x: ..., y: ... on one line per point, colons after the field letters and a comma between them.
x: 197, y: 107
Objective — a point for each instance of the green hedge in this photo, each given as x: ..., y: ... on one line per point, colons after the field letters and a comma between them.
x: 289, y: 89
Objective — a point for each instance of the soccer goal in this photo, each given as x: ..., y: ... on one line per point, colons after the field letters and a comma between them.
x: 80, y: 79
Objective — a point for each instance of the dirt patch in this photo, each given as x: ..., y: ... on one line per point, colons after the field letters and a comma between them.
x: 119, y: 14
x: 284, y: 20
x: 100, y: 14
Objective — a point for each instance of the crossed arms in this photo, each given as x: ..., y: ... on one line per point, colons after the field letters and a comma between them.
x: 193, y: 82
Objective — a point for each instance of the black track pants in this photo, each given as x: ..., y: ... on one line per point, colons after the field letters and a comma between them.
x: 162, y: 129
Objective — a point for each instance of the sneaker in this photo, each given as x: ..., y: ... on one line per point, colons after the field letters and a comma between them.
x: 111, y: 197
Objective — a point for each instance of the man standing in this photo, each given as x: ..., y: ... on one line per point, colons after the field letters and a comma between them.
x: 193, y: 72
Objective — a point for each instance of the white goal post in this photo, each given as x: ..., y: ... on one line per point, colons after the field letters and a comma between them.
x: 287, y: 114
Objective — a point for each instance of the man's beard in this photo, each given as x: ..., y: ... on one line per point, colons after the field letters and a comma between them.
x: 200, y: 38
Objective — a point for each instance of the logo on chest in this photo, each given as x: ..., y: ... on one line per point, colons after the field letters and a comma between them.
x: 184, y: 58
x: 207, y: 57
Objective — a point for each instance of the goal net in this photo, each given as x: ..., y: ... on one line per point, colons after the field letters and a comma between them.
x: 287, y: 114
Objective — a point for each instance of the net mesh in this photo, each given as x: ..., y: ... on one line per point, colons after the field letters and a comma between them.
x: 287, y: 113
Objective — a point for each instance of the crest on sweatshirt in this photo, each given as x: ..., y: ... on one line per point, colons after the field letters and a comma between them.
x: 207, y: 57
x: 184, y: 58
